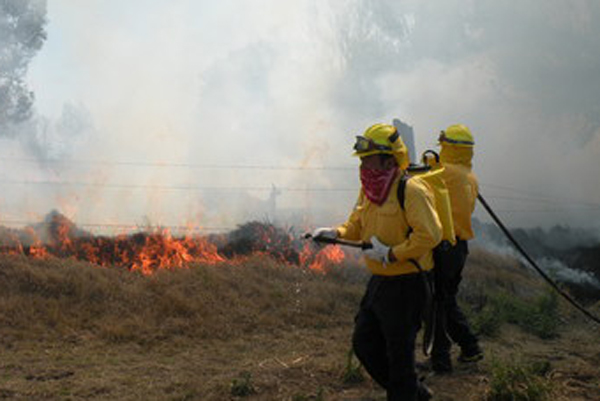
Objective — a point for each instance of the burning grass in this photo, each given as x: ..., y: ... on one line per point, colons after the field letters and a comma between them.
x: 156, y: 249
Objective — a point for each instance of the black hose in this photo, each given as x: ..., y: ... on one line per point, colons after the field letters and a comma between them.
x: 339, y: 241
x: 532, y: 262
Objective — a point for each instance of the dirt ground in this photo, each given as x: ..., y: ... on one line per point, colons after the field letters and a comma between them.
x: 295, y: 364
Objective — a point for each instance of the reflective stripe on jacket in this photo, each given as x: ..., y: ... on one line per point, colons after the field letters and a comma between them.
x: 412, y: 233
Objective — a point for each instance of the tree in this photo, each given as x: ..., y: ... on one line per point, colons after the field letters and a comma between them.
x: 22, y: 34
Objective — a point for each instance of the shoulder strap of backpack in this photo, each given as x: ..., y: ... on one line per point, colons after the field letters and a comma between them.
x: 402, y: 189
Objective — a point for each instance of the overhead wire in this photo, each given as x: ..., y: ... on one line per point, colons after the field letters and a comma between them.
x: 589, y: 206
x: 530, y: 195
x: 176, y: 165
x: 174, y: 187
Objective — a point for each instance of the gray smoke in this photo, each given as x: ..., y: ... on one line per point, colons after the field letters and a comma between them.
x: 564, y: 273
x: 549, y: 248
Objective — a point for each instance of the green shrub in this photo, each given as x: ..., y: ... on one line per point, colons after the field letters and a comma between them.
x: 486, y: 322
x: 242, y: 386
x: 538, y: 316
x: 519, y: 382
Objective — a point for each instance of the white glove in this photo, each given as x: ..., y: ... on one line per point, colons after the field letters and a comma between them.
x: 379, y: 252
x: 325, y: 232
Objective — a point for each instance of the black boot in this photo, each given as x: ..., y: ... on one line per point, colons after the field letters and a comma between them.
x: 470, y: 354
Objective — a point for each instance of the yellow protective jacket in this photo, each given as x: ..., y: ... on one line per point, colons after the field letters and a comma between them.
x: 412, y: 232
x: 462, y: 186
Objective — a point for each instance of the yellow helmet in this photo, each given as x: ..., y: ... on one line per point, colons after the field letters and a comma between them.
x: 458, y: 135
x: 382, y: 139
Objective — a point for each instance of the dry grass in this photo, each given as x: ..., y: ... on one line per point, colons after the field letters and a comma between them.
x: 487, y: 271
x: 54, y: 297
x: 73, y: 331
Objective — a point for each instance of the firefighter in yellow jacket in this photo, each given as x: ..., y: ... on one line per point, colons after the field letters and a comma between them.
x: 456, y: 158
x: 391, y: 310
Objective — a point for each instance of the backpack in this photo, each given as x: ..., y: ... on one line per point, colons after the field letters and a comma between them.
x: 441, y: 197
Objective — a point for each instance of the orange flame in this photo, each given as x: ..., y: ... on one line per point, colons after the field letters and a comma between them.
x: 162, y: 251
x: 331, y: 254
x: 149, y: 252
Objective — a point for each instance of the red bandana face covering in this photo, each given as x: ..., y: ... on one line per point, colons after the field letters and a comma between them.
x: 377, y: 183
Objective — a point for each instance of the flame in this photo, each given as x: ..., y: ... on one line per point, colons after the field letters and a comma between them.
x: 148, y: 252
x: 331, y: 254
x: 37, y: 249
x: 162, y: 251
x: 144, y: 252
x: 38, y: 252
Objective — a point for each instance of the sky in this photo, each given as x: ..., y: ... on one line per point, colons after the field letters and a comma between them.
x: 207, y: 114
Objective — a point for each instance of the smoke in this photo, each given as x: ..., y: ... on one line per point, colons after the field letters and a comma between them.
x: 558, y: 252
x: 165, y: 89
x: 567, y: 274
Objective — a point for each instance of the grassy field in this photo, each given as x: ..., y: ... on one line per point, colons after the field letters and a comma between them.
x: 257, y: 329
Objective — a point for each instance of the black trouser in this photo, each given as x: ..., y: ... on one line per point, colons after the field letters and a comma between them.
x: 451, y: 323
x: 385, y: 330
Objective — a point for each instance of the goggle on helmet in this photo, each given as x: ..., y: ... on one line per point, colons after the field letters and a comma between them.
x: 366, y: 146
